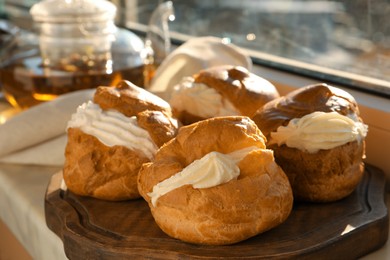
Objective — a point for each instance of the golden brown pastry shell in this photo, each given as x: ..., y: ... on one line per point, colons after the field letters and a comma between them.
x: 303, y: 101
x: 245, y: 90
x: 129, y: 99
x: 325, y: 176
x: 260, y: 199
x: 96, y: 170
x: 160, y: 127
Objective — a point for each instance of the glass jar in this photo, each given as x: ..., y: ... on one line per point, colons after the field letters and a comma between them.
x: 78, y: 46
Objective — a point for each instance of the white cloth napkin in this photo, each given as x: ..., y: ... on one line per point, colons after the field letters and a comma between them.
x: 192, y: 56
x: 37, y: 135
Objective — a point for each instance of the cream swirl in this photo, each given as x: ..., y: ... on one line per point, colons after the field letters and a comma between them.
x: 319, y: 130
x: 200, y: 100
x: 112, y: 128
x: 211, y: 170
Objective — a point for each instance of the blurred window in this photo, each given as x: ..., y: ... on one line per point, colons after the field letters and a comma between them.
x: 346, y: 42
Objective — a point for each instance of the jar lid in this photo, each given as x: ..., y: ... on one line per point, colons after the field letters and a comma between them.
x: 71, y: 11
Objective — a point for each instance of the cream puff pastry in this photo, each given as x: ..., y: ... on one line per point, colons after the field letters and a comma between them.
x: 220, y: 91
x: 111, y: 137
x: 215, y: 183
x: 318, y: 139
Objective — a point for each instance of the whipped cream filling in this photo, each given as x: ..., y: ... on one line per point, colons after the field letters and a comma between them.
x: 211, y: 170
x: 112, y: 128
x: 200, y: 100
x: 319, y: 130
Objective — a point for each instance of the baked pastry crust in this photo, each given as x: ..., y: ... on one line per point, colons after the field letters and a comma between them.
x: 96, y: 170
x: 324, y: 176
x: 161, y: 127
x: 245, y: 90
x: 110, y: 173
x: 129, y: 99
x: 258, y: 200
x: 303, y: 101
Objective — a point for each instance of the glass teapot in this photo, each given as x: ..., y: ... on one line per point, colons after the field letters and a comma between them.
x: 78, y: 47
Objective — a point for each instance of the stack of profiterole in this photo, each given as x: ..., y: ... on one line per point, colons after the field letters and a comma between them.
x: 223, y: 158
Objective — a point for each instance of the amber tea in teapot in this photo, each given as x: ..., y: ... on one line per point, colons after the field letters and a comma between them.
x: 78, y: 47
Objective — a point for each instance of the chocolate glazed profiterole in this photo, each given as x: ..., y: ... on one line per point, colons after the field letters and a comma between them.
x: 220, y: 91
x: 318, y: 139
x: 110, y: 138
x: 215, y: 183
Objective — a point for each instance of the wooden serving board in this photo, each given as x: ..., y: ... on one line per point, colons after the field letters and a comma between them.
x: 96, y: 229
